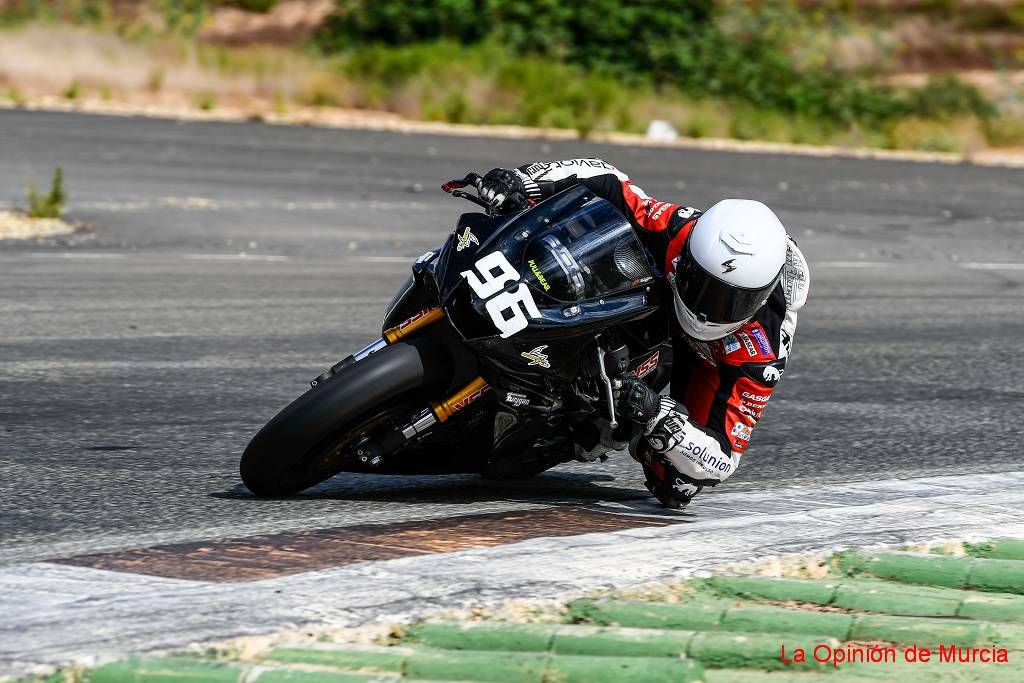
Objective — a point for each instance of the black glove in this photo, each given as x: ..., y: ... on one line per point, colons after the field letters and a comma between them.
x: 504, y: 190
x: 637, y: 401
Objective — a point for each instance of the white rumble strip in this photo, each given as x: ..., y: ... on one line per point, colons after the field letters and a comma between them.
x: 54, y: 614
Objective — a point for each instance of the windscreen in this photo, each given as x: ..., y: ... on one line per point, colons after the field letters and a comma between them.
x: 593, y: 252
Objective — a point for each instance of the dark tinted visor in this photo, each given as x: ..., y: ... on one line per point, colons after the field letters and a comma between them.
x: 718, y: 302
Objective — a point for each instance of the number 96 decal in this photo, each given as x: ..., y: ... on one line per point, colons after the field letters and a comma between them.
x: 508, y: 310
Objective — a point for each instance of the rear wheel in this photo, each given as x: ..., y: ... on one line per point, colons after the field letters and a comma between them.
x: 309, y: 441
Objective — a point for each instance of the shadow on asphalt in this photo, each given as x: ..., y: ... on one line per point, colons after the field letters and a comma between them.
x: 556, y: 488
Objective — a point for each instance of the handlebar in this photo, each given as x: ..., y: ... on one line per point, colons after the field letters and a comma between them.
x: 453, y: 187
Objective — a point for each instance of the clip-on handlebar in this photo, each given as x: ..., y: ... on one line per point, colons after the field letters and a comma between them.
x: 452, y: 187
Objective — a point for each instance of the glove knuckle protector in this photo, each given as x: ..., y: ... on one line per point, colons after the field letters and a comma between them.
x: 680, y: 459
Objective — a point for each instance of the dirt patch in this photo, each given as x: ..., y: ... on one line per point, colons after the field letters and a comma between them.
x: 287, y: 23
x: 798, y: 567
x: 17, y: 226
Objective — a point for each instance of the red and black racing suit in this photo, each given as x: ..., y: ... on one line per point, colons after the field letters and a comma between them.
x: 719, y: 388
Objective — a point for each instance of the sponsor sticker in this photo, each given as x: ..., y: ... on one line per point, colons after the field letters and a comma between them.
x: 751, y: 409
x: 466, y: 239
x: 685, y: 487
x: 537, y: 356
x: 686, y: 212
x: 731, y: 343
x: 704, y: 458
x: 535, y: 269
x: 762, y: 340
x: 648, y: 366
x: 656, y: 208
x: 751, y: 349
x: 741, y: 431
x: 786, y: 342
x: 761, y: 398
x: 674, y: 426
x: 517, y: 400
x: 772, y: 375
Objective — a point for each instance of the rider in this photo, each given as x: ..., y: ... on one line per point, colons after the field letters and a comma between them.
x: 737, y: 281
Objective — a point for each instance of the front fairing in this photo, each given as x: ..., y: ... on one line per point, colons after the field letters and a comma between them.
x: 580, y: 259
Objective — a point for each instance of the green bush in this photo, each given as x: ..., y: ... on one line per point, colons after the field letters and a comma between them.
x: 50, y: 205
x: 764, y: 55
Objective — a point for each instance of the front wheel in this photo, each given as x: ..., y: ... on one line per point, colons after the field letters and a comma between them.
x: 307, y: 442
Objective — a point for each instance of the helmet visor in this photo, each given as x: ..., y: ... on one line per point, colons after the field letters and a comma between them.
x: 714, y: 300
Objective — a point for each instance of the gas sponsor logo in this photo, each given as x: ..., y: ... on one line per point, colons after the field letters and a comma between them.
x: 730, y: 344
x: 535, y: 269
x: 656, y: 208
x: 517, y: 400
x: 648, y: 366
x: 761, y: 398
x: 762, y: 340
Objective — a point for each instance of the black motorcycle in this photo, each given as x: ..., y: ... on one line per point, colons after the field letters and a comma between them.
x: 500, y: 355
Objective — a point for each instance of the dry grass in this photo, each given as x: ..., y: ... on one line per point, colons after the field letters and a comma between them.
x: 962, y: 136
x: 160, y: 71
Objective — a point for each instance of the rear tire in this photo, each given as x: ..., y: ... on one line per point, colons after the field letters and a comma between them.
x: 299, y: 447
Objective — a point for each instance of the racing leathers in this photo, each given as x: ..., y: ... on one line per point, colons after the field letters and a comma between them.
x: 695, y: 436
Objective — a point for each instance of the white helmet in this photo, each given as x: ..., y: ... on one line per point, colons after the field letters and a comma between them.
x: 730, y: 263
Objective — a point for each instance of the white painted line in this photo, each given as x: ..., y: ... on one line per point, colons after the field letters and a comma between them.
x: 993, y: 266
x: 850, y: 264
x: 56, y: 614
x: 73, y: 255
x: 234, y: 257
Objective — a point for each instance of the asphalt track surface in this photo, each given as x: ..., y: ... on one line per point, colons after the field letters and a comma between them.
x: 137, y: 360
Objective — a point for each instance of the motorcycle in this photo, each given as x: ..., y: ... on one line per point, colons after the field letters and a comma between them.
x: 500, y: 355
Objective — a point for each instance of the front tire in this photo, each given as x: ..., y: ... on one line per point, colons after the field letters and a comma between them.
x: 303, y: 444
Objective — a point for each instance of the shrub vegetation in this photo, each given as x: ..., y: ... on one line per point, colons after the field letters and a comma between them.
x: 51, y: 204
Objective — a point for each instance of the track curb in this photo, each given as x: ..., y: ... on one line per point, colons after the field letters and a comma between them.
x: 841, y: 626
x: 721, y: 629
x: 873, y: 595
x: 493, y: 666
x: 998, y: 549
x: 716, y: 649
x: 989, y: 575
x: 187, y: 670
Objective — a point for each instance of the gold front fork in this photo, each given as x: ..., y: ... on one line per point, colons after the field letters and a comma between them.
x: 460, y: 399
x: 426, y: 317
